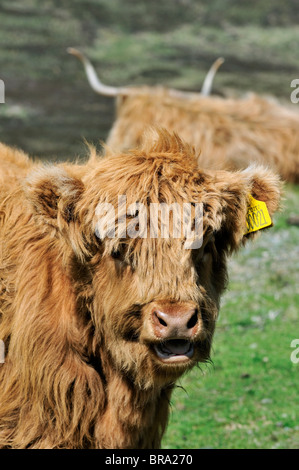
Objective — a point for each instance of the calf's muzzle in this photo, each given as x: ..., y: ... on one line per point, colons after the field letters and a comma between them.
x: 175, y: 321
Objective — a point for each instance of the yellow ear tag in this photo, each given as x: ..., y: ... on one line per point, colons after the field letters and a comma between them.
x: 257, y: 215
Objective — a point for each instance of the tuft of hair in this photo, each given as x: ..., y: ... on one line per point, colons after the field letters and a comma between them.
x: 160, y: 140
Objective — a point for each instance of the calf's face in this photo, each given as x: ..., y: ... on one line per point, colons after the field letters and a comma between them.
x: 152, y: 301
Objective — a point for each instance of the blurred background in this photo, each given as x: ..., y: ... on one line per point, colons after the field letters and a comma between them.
x: 248, y: 397
x: 49, y: 105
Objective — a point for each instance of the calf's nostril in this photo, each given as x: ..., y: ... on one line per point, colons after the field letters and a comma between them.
x: 193, y: 320
x: 160, y: 320
x: 182, y: 320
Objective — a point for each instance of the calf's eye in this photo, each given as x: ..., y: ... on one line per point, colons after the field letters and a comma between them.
x: 116, y: 254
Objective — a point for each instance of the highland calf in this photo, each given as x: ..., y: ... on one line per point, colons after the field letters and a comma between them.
x: 98, y: 329
x: 230, y: 133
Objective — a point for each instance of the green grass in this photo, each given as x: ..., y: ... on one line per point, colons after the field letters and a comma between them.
x: 248, y: 398
x: 180, y: 58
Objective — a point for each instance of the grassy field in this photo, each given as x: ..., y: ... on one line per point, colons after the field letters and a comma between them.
x: 248, y: 396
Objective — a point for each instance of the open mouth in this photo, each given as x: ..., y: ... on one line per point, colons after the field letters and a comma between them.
x: 174, y: 350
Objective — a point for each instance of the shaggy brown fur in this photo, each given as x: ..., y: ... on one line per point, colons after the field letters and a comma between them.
x: 77, y: 314
x: 231, y: 133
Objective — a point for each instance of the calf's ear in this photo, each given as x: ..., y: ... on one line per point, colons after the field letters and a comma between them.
x: 264, y: 185
x: 237, y: 189
x: 53, y: 194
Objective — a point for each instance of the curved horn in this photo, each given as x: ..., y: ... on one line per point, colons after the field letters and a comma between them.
x: 106, y: 90
x: 208, y: 81
x: 92, y: 77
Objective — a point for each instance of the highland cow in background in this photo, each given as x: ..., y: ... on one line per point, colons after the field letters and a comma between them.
x: 229, y: 133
